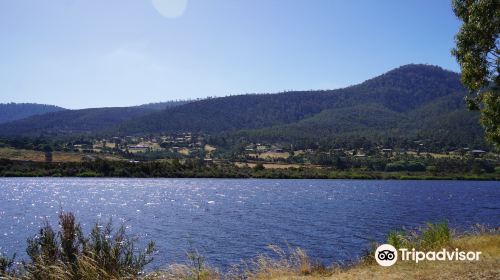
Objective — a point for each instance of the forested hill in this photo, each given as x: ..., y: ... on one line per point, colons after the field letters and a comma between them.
x: 72, y: 122
x: 412, y: 101
x: 400, y: 91
x: 16, y: 111
x: 83, y: 121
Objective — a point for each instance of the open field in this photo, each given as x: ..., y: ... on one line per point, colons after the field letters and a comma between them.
x: 435, y: 155
x: 273, y: 155
x: 39, y: 156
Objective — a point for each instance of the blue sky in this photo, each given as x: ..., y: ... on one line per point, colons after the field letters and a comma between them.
x: 94, y: 53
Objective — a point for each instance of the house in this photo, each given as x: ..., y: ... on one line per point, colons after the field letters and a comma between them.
x: 137, y: 147
x: 262, y: 148
x: 477, y: 153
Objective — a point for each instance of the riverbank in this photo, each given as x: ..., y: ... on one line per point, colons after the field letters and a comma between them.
x: 297, y: 266
x: 64, y: 253
x: 196, y: 169
x: 488, y: 267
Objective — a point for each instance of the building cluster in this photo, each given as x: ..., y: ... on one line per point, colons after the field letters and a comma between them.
x: 182, y: 143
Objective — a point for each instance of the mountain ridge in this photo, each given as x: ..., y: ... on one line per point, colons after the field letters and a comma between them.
x: 15, y: 111
x: 400, y: 102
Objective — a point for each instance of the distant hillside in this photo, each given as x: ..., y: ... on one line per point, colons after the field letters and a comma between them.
x: 400, y: 90
x: 440, y: 123
x: 68, y: 122
x: 409, y: 102
x: 83, y: 121
x: 16, y: 111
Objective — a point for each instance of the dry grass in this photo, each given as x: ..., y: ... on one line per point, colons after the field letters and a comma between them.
x: 27, y: 155
x: 38, y: 156
x: 488, y: 267
x: 66, y: 157
x: 209, y: 148
x: 295, y: 264
x: 275, y: 155
x: 435, y: 155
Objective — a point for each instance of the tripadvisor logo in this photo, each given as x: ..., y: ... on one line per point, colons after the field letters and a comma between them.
x: 387, y: 255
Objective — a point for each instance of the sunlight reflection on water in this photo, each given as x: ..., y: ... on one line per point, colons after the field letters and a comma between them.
x: 231, y: 220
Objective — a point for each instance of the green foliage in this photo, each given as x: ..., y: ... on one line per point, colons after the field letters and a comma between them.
x: 433, y: 236
x: 405, y: 166
x: 398, y: 239
x: 400, y: 167
x: 490, y: 115
x: 478, y: 53
x: 88, y: 174
x: 67, y: 254
x: 259, y: 167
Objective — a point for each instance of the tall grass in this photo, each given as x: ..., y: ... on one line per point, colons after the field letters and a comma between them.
x: 430, y: 237
x: 195, y: 268
x: 67, y: 254
x: 282, y: 263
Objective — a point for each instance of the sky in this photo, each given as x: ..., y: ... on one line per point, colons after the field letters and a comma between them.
x: 94, y: 53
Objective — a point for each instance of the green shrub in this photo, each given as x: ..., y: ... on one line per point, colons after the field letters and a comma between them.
x: 88, y: 174
x: 68, y: 254
x: 259, y: 167
x: 435, y: 236
x: 398, y: 239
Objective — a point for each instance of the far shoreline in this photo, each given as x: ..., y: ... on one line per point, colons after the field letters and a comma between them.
x: 226, y: 170
x: 416, y: 179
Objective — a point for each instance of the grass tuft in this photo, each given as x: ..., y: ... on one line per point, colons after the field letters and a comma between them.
x: 68, y: 255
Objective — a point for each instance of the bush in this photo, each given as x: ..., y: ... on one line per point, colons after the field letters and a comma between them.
x: 435, y: 236
x: 67, y: 254
x: 88, y: 174
x: 259, y: 167
x: 405, y: 166
x: 431, y: 237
